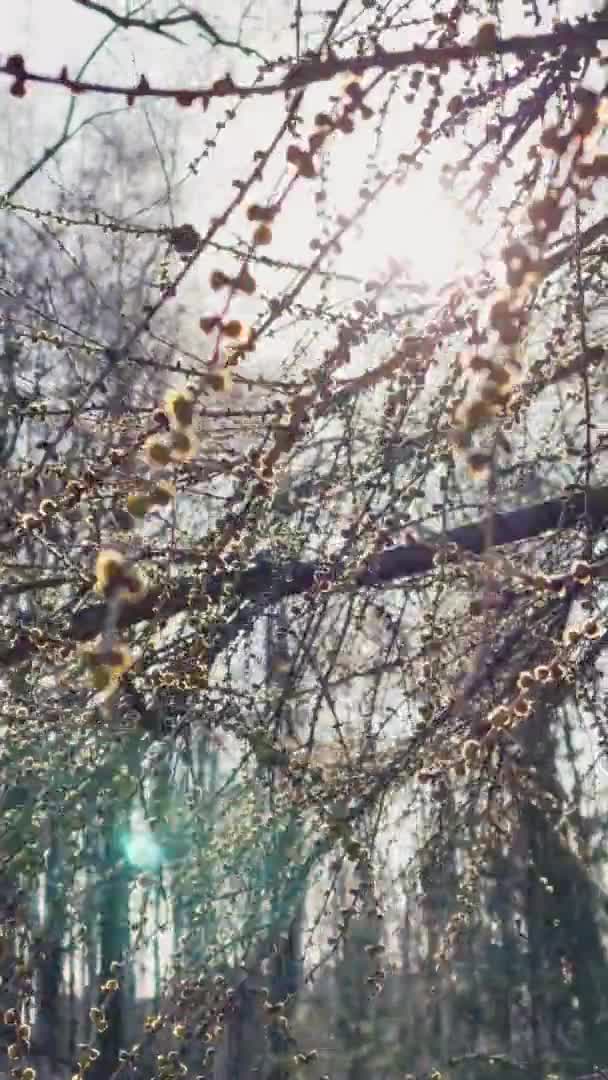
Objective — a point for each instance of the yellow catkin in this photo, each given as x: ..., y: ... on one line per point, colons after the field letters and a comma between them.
x: 262, y: 235
x: 184, y: 445
x: 113, y: 578
x: 179, y: 406
x: 157, y: 452
x: 109, y: 569
x: 526, y: 679
x: 138, y: 505
x: 102, y: 679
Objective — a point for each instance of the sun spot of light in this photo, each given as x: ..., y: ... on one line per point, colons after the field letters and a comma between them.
x: 142, y: 849
x: 421, y: 226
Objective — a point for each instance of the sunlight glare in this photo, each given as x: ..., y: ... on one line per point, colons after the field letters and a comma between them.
x: 142, y: 850
x: 421, y: 226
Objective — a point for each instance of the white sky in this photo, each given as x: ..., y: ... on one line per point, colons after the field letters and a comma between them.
x: 418, y: 222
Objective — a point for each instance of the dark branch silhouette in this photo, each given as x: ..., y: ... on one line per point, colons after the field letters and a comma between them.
x: 161, y: 26
x: 582, y: 37
x: 271, y: 582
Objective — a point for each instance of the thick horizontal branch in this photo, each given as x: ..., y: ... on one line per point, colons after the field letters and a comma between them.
x: 267, y: 582
x: 584, y: 36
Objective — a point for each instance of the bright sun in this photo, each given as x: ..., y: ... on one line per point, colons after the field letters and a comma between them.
x: 421, y: 225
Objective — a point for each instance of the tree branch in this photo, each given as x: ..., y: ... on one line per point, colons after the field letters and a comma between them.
x: 126, y: 22
x: 311, y: 71
x: 267, y: 582
x: 159, y: 26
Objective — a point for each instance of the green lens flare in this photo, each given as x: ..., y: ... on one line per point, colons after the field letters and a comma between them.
x: 142, y: 850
